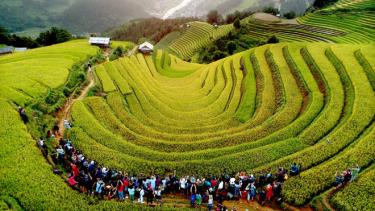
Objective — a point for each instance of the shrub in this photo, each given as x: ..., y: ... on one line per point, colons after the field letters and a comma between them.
x: 273, y: 39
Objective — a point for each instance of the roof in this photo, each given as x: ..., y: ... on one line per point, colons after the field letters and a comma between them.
x: 100, y: 40
x: 7, y: 49
x: 146, y: 46
x: 20, y: 49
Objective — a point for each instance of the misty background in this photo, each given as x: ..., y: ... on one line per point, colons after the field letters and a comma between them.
x: 29, y: 17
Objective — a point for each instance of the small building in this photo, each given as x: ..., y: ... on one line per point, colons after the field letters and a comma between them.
x: 146, y: 48
x: 6, y: 50
x: 100, y: 41
x: 20, y: 49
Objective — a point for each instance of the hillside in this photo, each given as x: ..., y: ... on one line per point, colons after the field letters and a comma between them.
x: 28, y: 17
x: 146, y: 122
x: 290, y: 98
x: 34, y: 186
x: 334, y: 24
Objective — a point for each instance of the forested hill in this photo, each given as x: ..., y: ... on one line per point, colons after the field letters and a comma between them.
x: 80, y: 16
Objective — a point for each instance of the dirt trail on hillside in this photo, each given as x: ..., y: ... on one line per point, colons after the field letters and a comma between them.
x: 133, y: 51
x: 64, y: 113
x: 325, y: 200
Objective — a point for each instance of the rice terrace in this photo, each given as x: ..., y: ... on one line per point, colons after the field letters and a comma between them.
x: 187, y: 105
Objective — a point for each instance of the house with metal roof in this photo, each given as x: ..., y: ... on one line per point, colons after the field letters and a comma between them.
x: 100, y: 41
x: 6, y: 50
x: 146, y: 48
x: 20, y: 49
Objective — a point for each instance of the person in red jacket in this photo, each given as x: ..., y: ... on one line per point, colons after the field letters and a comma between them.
x: 75, y: 169
x: 269, y: 193
x: 126, y: 186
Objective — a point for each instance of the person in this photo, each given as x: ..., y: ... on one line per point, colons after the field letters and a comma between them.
x: 75, y: 169
x: 131, y: 191
x: 91, y: 167
x: 221, y: 185
x: 183, y: 185
x: 192, y: 200
x: 198, y: 198
x: 262, y: 196
x: 126, y: 186
x: 112, y: 191
x: 294, y: 170
x: 67, y: 125
x: 355, y: 172
x: 60, y: 154
x: 141, y: 194
x: 193, y: 191
x: 277, y: 192
x: 22, y: 113
x: 72, y: 182
x: 40, y: 142
x: 210, y: 201
x: 251, y: 191
x: 152, y: 182
x: 99, y: 188
x: 251, y: 179
x: 347, y: 176
x: 269, y: 178
x: 338, y: 180
x: 57, y: 171
x: 56, y: 129
x: 88, y: 183
x: 281, y: 175
x: 158, y: 195
x: 150, y: 196
x: 43, y: 147
x: 269, y: 194
x: 49, y: 134
x: 120, y: 190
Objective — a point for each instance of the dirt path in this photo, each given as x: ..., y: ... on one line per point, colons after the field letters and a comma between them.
x: 132, y: 52
x: 325, y: 201
x: 64, y: 113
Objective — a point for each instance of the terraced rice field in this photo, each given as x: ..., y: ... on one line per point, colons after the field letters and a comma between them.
x: 355, y: 18
x: 345, y: 22
x: 351, y: 5
x: 196, y: 36
x: 26, y: 179
x: 30, y: 74
x: 254, y: 111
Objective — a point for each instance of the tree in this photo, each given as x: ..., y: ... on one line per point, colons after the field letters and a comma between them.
x: 290, y: 15
x: 237, y: 23
x: 231, y: 47
x: 271, y: 10
x: 230, y: 18
x: 217, y: 55
x: 16, y: 41
x: 3, y: 36
x: 214, y: 17
x: 273, y: 39
x: 323, y: 3
x: 53, y: 36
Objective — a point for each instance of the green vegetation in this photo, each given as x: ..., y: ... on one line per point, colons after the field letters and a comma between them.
x: 31, y: 74
x: 149, y: 122
x: 307, y: 98
x: 152, y: 29
x: 49, y: 37
x: 357, y: 195
x: 195, y: 36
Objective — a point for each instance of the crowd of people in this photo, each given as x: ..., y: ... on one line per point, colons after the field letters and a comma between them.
x: 88, y: 177
x: 346, y: 176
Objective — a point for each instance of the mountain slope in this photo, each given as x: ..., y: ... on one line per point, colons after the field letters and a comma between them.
x: 81, y: 16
